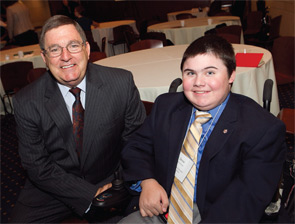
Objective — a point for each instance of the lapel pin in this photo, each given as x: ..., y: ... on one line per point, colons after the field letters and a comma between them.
x: 224, y: 131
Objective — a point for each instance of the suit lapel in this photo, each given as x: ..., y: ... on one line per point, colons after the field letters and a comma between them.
x: 56, y: 108
x: 220, y: 135
x: 179, y: 121
x: 93, y: 111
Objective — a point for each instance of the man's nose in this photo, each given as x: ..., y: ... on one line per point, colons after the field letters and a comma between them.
x: 65, y: 54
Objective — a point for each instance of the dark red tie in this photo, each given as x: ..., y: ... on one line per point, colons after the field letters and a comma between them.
x: 78, y: 120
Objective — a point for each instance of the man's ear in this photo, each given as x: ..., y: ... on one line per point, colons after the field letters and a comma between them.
x: 232, y: 77
x: 87, y: 45
x: 43, y: 57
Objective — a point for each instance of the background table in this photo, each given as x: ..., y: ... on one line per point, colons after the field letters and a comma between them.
x: 106, y: 30
x: 193, y: 28
x: 154, y: 70
x: 34, y: 57
x: 195, y: 12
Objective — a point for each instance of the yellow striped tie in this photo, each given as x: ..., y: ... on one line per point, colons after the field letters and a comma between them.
x: 182, y: 193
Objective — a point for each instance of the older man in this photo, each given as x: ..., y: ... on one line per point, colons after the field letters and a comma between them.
x: 71, y: 124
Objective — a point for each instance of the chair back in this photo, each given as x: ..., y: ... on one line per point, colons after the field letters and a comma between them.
x: 96, y: 55
x: 253, y: 22
x: 118, y: 33
x: 146, y: 44
x: 14, y: 75
x: 185, y: 16
x: 130, y: 38
x: 274, y: 30
x: 103, y: 44
x: 156, y: 36
x: 283, y: 59
x: 35, y: 73
x: 231, y: 33
x: 92, y: 43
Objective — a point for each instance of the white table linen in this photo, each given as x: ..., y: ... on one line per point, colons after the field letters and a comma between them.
x: 193, y: 28
x: 105, y: 29
x: 195, y: 12
x: 154, y: 70
x: 11, y: 55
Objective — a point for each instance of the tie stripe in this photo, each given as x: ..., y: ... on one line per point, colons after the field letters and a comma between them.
x: 182, y: 193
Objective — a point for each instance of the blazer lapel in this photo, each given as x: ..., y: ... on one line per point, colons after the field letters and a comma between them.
x: 179, y: 121
x: 93, y: 111
x: 56, y: 108
x: 222, y: 131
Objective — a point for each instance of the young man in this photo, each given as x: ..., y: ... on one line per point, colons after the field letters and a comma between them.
x: 64, y: 173
x: 233, y: 170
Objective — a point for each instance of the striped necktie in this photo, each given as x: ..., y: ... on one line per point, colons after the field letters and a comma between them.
x: 182, y: 193
x: 78, y: 119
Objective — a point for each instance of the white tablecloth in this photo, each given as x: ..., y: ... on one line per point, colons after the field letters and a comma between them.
x: 154, y: 70
x: 193, y: 28
x: 195, y: 12
x: 12, y: 55
x: 106, y: 30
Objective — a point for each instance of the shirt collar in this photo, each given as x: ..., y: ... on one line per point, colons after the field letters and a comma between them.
x: 65, y: 89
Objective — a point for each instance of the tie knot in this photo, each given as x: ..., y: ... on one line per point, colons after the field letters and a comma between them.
x: 202, y: 117
x: 76, y: 92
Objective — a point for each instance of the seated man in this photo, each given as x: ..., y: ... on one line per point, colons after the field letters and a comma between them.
x: 72, y: 124
x: 207, y: 153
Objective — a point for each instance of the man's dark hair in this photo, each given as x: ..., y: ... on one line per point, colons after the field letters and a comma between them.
x: 212, y: 44
x: 57, y: 21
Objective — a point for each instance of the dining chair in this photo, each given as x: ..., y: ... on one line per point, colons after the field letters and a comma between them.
x: 103, y: 44
x: 283, y: 59
x: 92, y: 43
x: 35, y: 73
x: 184, y: 16
x: 96, y: 55
x: 156, y: 36
x: 253, y: 24
x: 266, y: 37
x: 118, y: 36
x: 146, y: 44
x: 130, y: 38
x: 231, y: 33
x: 13, y: 77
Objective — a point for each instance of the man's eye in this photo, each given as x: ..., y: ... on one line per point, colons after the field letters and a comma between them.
x: 210, y: 73
x: 74, y: 45
x: 52, y: 50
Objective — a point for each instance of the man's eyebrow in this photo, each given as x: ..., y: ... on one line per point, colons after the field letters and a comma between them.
x: 192, y: 70
x: 209, y: 67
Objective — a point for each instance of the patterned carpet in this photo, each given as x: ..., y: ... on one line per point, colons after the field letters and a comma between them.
x: 13, y: 176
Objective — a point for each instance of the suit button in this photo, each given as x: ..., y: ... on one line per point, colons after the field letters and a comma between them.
x: 134, y: 208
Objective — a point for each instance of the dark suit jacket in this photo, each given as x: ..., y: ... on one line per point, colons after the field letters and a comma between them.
x: 113, y: 110
x: 241, y: 163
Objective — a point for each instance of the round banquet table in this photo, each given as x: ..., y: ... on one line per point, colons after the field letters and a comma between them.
x: 33, y: 56
x: 195, y: 12
x: 105, y: 29
x: 154, y: 69
x: 193, y: 28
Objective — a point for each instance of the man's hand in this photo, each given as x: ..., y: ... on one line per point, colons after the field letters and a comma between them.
x: 153, y: 198
x: 104, y: 188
